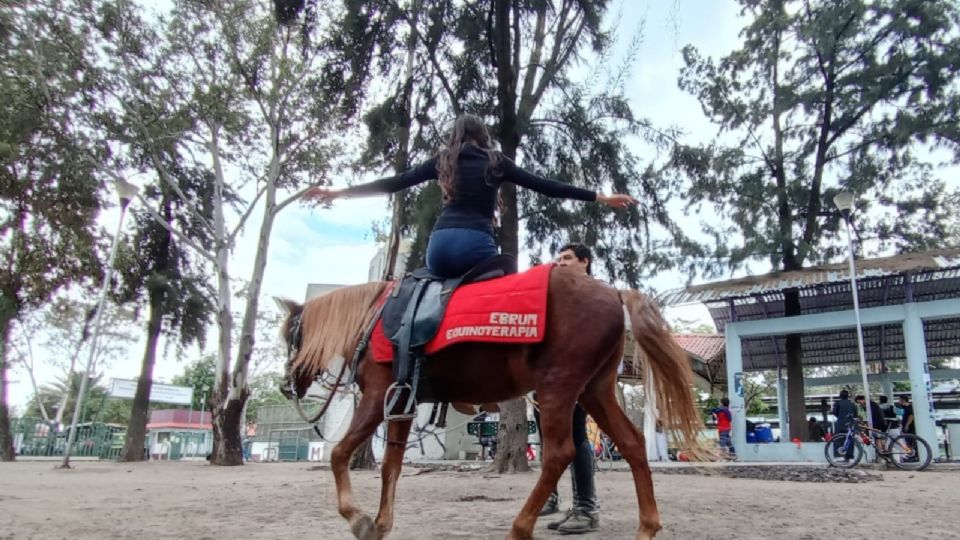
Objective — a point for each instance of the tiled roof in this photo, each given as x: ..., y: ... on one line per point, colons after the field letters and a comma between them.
x: 706, y: 347
x: 703, y: 348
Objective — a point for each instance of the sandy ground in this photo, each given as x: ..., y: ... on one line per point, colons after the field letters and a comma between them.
x: 295, y: 500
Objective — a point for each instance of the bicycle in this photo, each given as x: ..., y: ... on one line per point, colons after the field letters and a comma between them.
x: 906, y: 451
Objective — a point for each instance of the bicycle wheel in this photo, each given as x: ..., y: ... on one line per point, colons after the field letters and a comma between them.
x: 909, y: 452
x: 843, y: 451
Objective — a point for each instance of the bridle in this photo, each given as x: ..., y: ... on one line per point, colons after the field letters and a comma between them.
x: 293, y: 348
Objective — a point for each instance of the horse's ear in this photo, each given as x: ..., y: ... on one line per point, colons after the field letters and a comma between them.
x: 285, y: 305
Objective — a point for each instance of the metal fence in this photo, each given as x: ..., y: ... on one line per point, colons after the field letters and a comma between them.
x: 286, y: 435
x: 35, y: 437
x: 174, y: 445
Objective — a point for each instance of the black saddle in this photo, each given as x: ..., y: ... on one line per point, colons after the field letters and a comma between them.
x: 411, y: 318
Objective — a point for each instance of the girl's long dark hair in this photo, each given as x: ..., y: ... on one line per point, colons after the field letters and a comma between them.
x: 468, y: 128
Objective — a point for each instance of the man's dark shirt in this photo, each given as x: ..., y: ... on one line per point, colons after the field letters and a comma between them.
x: 908, y: 414
x: 876, y: 415
x: 845, y: 411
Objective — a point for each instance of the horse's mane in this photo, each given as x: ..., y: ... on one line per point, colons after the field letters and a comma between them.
x: 331, y: 325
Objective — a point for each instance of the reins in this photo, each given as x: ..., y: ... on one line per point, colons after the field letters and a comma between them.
x: 362, y: 345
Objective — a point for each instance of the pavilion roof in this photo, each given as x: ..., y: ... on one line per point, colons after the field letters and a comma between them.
x: 886, y: 281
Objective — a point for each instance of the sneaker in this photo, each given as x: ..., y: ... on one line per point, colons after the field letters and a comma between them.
x: 554, y: 525
x: 579, y: 522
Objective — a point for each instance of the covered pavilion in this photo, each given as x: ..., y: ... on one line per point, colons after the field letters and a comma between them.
x: 910, y: 312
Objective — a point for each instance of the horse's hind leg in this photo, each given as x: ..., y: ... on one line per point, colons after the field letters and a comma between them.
x: 601, y: 402
x: 366, y: 418
x: 397, y: 433
x: 555, y: 414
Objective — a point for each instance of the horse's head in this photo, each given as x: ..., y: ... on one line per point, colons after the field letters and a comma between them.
x: 324, y: 331
x: 295, y: 381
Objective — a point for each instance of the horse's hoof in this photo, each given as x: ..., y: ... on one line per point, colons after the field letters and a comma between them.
x: 647, y: 535
x: 516, y: 534
x: 364, y: 529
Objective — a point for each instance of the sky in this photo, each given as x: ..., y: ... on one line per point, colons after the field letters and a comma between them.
x: 336, y: 246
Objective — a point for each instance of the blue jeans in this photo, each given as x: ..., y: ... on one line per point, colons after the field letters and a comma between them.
x: 452, y: 252
x: 726, y: 442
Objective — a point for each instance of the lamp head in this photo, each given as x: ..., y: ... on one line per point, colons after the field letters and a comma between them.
x: 844, y: 202
x: 125, y: 191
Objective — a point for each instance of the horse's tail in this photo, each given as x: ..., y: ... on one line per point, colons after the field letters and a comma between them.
x: 670, y: 369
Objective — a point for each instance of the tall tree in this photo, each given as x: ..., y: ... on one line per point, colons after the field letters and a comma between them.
x: 22, y: 347
x: 146, y: 131
x: 532, y: 50
x: 823, y: 96
x: 261, y: 100
x: 49, y: 190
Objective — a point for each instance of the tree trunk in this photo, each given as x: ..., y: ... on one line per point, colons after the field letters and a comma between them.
x: 401, y: 160
x: 227, y: 422
x: 6, y: 436
x: 226, y: 412
x: 137, y: 429
x: 512, y: 437
x: 233, y: 391
x: 363, y: 457
x: 796, y: 401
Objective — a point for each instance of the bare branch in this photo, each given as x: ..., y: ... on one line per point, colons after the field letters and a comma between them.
x: 289, y: 200
x: 539, y: 36
x: 246, y: 215
x: 562, y: 49
x: 180, y: 236
x: 432, y: 56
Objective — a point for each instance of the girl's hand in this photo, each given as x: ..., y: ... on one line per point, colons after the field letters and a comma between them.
x: 320, y: 195
x: 617, y: 200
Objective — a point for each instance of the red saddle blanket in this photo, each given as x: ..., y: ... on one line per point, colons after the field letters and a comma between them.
x: 511, y: 309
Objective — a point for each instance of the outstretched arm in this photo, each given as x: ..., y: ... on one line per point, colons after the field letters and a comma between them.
x: 560, y: 190
x: 391, y: 184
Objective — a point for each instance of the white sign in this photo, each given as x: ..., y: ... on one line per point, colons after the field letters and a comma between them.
x: 160, y: 393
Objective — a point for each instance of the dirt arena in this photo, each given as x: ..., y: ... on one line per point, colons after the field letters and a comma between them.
x: 192, y: 500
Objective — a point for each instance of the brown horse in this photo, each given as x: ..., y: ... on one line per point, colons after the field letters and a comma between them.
x: 577, y: 361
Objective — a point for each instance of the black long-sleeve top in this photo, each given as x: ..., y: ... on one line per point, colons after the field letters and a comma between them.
x: 475, y: 192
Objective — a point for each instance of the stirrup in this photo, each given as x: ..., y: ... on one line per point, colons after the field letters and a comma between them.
x: 392, y: 397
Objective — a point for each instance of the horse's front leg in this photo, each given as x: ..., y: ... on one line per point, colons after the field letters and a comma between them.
x: 397, y: 433
x: 366, y: 418
x: 555, y: 424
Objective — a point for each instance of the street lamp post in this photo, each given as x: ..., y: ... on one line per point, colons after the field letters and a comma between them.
x: 125, y: 192
x: 844, y: 203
